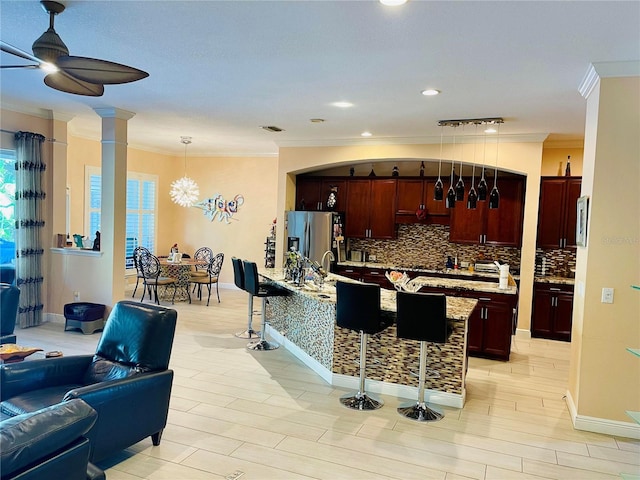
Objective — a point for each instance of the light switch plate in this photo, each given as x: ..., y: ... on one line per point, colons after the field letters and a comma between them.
x: 607, y: 295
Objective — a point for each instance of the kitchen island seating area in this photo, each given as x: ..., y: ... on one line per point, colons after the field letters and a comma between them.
x: 305, y: 323
x: 358, y: 309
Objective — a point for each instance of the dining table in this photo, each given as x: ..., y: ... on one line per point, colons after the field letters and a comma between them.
x: 181, y: 271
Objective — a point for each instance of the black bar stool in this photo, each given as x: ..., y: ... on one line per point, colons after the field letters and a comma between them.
x: 262, y: 290
x: 238, y: 278
x: 358, y: 309
x: 422, y: 317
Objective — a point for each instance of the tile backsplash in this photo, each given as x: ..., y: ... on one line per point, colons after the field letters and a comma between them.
x: 555, y: 263
x: 429, y: 246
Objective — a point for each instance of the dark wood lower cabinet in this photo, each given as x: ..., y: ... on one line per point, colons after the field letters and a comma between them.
x: 491, y: 324
x: 552, y: 311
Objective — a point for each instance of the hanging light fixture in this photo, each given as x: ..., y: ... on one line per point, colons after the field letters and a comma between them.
x: 494, y: 196
x: 472, y: 198
x: 482, y: 184
x: 438, y: 189
x: 184, y: 191
x: 451, y: 194
x: 460, y: 184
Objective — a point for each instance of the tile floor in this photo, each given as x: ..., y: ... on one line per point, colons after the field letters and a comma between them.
x: 264, y: 415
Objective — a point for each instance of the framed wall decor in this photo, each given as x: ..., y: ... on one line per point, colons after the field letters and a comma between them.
x: 581, y: 221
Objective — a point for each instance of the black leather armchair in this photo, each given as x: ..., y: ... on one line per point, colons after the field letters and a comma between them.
x: 9, y: 300
x: 127, y: 381
x: 49, y: 443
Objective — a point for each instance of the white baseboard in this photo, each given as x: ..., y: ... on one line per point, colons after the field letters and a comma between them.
x: 54, y: 318
x: 522, y: 333
x: 601, y: 425
x: 374, y: 386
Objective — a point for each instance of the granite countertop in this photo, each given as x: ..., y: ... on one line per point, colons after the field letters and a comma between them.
x: 462, y: 273
x: 556, y: 280
x: 458, y: 309
x: 467, y: 285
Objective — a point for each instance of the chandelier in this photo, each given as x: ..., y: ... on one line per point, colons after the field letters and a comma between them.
x: 481, y: 193
x: 184, y: 191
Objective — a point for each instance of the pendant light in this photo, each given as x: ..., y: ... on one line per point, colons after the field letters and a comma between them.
x: 451, y: 194
x: 438, y: 189
x: 184, y: 191
x: 482, y: 184
x: 472, y: 198
x: 494, y: 196
x: 460, y: 184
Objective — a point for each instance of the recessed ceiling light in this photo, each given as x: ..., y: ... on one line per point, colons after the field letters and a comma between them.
x: 366, y: 134
x: 316, y: 120
x: 393, y: 3
x: 490, y: 130
x: 342, y: 104
x: 430, y: 92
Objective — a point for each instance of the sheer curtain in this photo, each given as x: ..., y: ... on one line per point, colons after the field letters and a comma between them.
x: 29, y: 223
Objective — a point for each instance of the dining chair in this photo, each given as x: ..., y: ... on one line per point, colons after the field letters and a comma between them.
x: 204, y: 256
x: 150, y: 265
x: 137, y: 252
x: 211, y: 277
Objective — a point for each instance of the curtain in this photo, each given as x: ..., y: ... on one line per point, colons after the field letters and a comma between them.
x: 29, y: 222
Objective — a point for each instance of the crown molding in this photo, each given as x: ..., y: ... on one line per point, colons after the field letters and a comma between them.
x: 599, y: 70
x: 345, y: 142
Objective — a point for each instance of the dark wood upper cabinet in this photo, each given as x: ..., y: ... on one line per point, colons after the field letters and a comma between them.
x: 413, y: 194
x: 312, y: 193
x: 370, y: 208
x: 501, y: 226
x: 557, y: 212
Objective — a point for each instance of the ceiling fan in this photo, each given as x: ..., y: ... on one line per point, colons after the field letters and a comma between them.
x: 70, y: 74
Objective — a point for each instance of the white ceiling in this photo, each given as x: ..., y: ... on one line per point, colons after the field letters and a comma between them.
x: 220, y: 69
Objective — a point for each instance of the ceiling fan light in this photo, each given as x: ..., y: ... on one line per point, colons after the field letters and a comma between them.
x: 49, y: 46
x: 49, y: 67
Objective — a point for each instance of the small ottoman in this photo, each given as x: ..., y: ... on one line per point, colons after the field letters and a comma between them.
x: 88, y: 317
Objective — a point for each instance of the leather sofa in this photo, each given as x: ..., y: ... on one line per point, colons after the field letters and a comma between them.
x: 49, y: 443
x: 9, y: 300
x: 127, y: 381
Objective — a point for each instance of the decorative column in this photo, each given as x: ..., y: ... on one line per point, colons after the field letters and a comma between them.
x: 114, y: 194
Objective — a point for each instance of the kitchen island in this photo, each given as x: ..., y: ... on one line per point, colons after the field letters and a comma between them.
x: 305, y: 324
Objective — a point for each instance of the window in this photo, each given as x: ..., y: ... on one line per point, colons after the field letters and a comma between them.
x: 141, y: 209
x: 7, y: 205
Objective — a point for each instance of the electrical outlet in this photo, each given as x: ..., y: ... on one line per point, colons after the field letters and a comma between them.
x: 607, y: 295
x: 76, y: 296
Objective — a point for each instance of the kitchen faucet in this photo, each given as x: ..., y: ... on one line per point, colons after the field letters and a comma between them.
x: 332, y: 258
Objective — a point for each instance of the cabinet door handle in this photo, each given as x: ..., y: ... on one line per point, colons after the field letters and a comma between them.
x: 553, y: 289
x: 481, y: 299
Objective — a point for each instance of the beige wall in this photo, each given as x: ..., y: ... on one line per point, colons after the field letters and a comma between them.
x: 554, y: 160
x: 604, y: 378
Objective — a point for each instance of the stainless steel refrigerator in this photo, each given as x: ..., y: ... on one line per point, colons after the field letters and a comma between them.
x: 313, y: 233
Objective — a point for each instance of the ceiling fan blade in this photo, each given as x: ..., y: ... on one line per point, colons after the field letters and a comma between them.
x: 5, y: 47
x: 19, y: 66
x: 97, y: 71
x: 68, y: 84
